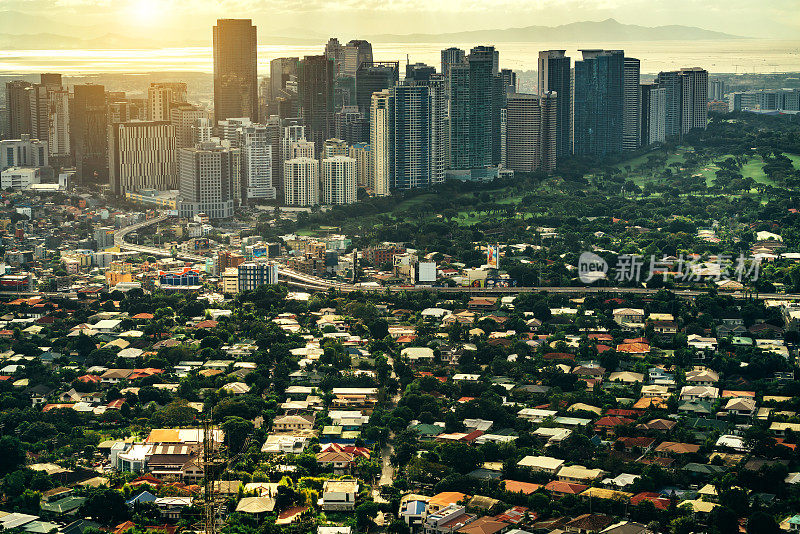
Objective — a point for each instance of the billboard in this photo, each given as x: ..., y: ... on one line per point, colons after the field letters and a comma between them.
x: 493, y: 256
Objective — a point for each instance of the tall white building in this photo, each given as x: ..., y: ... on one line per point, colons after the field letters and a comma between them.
x: 208, y: 174
x: 301, y: 149
x: 229, y: 129
x: 658, y: 115
x: 255, y: 144
x: 24, y: 152
x: 301, y: 182
x: 694, y: 99
x: 362, y: 153
x: 184, y: 119
x: 334, y: 147
x: 161, y: 96
x: 58, y: 138
x: 380, y: 138
x: 338, y: 180
x: 142, y: 155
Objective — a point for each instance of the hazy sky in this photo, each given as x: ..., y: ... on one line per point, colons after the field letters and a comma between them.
x: 349, y: 18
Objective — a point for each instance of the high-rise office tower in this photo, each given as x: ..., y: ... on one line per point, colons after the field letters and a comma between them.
x: 654, y: 114
x: 256, y: 146
x: 40, y: 119
x: 632, y: 105
x: 334, y: 147
x: 354, y: 54
x: 694, y: 99
x: 208, y: 176
x: 372, y: 77
x: 531, y: 124
x: 333, y: 51
x: 315, y: 92
x: 555, y: 76
x: 184, y: 118
x: 362, y: 153
x: 301, y: 182
x: 58, y: 138
x: 235, y: 77
x: 419, y: 72
x: 141, y: 155
x: 351, y: 125
x: 228, y: 129
x: 671, y: 82
x: 161, y: 96
x: 458, y: 112
x: 89, y: 131
x: 19, y: 109
x: 509, y: 78
x: 338, y: 180
x: 23, y: 152
x: 51, y: 80
x: 274, y: 132
x: 452, y: 56
x: 476, y: 94
x: 381, y: 140
x: 599, y: 103
x: 646, y: 92
x: 484, y: 113
x: 418, y: 153
x: 281, y: 70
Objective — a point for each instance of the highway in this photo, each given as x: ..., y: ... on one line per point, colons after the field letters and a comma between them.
x: 314, y: 283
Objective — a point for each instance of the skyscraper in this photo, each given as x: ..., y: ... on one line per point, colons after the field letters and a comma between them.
x: 599, y: 103
x: 334, y: 147
x: 418, y: 152
x: 419, y: 72
x: 141, y: 155
x: 351, y: 125
x: 256, y: 166
x: 90, y: 132
x: 484, y: 110
x: 184, y: 119
x: 458, y: 112
x: 301, y: 182
x: 281, y: 70
x: 654, y: 114
x: 39, y: 104
x: 59, y: 139
x: 338, y: 180
x: 671, y: 83
x: 632, y: 106
x: 381, y: 136
x: 208, y: 173
x: 509, y: 78
x: 372, y: 77
x: 354, y: 54
x: 452, y: 56
x: 555, y: 76
x: 235, y: 77
x: 531, y: 134
x: 315, y: 92
x: 160, y: 98
x: 362, y: 153
x: 19, y: 109
x: 694, y: 99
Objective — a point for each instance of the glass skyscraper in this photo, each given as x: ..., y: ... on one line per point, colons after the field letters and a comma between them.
x: 599, y: 103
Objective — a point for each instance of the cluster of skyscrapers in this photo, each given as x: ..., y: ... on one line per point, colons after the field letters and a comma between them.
x: 321, y: 127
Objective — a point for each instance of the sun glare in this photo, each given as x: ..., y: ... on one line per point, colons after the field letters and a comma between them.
x: 143, y: 11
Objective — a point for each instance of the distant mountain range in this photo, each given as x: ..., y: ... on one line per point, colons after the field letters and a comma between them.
x: 20, y: 31
x: 606, y: 30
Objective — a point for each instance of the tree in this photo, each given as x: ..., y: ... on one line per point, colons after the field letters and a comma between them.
x: 762, y: 523
x: 11, y: 454
x: 106, y: 506
x: 365, y: 512
x: 236, y: 432
x: 724, y: 520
